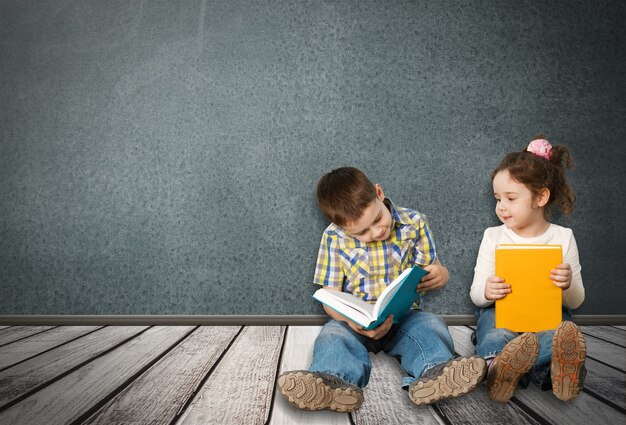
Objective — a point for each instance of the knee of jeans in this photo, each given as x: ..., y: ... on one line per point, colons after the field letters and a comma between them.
x: 333, y: 330
x: 498, y: 334
x: 422, y: 321
x: 437, y: 324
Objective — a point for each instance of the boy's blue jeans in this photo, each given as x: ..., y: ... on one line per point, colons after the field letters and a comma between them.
x: 420, y: 341
x: 491, y: 340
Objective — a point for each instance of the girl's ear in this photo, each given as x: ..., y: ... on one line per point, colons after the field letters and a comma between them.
x: 542, y: 197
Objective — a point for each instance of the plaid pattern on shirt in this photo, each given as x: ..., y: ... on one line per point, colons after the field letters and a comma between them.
x: 365, y: 269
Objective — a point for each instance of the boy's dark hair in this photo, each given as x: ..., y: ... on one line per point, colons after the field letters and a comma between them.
x: 343, y: 194
x: 537, y: 173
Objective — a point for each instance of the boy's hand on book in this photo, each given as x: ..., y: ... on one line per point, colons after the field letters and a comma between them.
x: 496, y: 288
x: 376, y: 333
x: 436, y: 278
x: 562, y: 276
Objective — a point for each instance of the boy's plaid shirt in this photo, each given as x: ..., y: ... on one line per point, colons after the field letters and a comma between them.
x: 365, y: 269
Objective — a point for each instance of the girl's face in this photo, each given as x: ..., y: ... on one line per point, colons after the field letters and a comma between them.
x: 517, y: 207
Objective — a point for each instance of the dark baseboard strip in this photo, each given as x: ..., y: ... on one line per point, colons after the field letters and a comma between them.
x: 243, y: 320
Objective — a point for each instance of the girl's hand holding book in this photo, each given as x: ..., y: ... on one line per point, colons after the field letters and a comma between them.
x: 496, y: 288
x: 562, y: 276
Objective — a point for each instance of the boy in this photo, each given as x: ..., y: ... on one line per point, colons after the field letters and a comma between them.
x: 368, y: 244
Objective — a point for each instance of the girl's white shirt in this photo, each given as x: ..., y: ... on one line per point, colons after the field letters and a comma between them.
x: 573, y: 297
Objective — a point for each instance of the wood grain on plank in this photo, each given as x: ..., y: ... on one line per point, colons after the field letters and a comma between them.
x: 239, y: 389
x: 607, y: 333
x: 11, y: 354
x: 606, y: 352
x: 16, y: 333
x: 606, y: 382
x: 24, y: 377
x: 157, y: 396
x: 67, y: 399
x: 584, y: 409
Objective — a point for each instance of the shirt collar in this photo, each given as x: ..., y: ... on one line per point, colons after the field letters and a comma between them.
x: 399, y: 217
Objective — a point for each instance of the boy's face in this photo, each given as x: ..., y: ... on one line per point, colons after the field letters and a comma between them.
x: 375, y: 221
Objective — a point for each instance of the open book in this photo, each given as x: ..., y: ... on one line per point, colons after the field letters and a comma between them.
x: 396, y: 299
x: 534, y: 303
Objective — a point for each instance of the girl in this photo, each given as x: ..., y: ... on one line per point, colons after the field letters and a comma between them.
x: 527, y: 185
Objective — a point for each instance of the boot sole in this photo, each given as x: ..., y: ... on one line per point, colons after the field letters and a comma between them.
x: 459, y: 378
x: 568, y: 359
x: 515, y: 360
x: 308, y: 391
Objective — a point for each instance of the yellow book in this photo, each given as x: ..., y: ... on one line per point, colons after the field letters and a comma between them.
x: 534, y: 303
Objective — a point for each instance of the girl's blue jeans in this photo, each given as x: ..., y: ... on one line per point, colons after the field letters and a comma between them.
x: 491, y: 340
x: 419, y: 341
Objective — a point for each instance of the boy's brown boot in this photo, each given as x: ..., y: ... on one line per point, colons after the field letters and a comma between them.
x: 317, y: 391
x: 516, y: 358
x: 452, y: 379
x: 567, y: 370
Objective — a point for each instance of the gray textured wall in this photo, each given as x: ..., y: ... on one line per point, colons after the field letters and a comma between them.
x: 161, y: 157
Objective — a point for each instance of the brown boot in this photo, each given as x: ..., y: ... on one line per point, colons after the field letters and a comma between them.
x: 318, y: 391
x: 567, y: 369
x: 516, y: 359
x: 452, y: 379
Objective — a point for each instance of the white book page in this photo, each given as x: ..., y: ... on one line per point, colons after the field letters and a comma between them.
x: 360, y: 311
x: 522, y: 246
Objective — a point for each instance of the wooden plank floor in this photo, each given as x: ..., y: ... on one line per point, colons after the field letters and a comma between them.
x: 227, y: 374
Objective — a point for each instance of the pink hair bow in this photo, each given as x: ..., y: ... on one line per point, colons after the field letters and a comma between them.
x: 540, y: 147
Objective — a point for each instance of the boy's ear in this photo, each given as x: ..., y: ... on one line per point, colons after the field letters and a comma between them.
x: 379, y: 192
x: 543, y: 197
